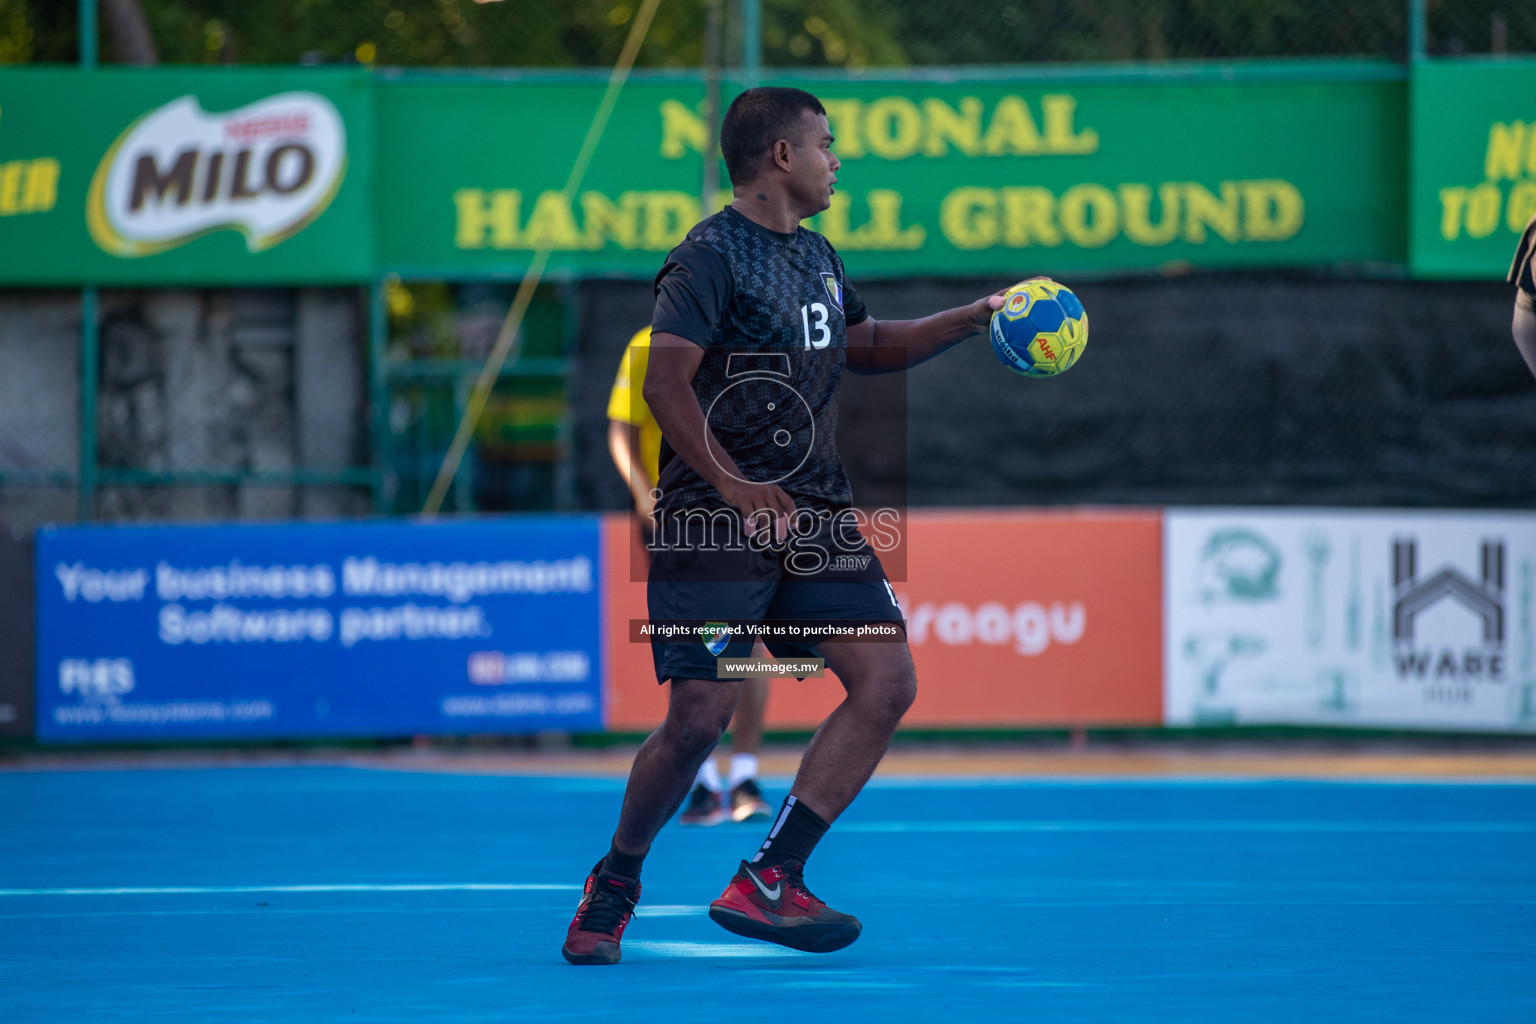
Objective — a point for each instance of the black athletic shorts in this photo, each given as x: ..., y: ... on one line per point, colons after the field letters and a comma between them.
x: 843, y: 584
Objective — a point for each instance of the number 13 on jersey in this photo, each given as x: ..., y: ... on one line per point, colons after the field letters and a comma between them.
x: 814, y: 318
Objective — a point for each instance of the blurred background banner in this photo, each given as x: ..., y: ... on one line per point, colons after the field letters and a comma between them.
x: 1364, y: 619
x: 1288, y: 219
x: 222, y: 177
x: 1015, y: 619
x: 359, y: 629
x: 971, y: 177
x: 186, y: 177
x: 1474, y: 165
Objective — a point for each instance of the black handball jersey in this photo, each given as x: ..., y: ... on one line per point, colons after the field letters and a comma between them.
x: 770, y: 311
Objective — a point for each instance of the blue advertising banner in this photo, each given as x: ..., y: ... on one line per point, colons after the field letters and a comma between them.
x: 186, y: 632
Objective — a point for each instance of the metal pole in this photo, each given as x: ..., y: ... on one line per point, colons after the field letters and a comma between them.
x: 1418, y: 29
x: 378, y: 391
x: 90, y: 337
x: 87, y: 32
x: 713, y: 26
x: 752, y: 40
x: 89, y: 368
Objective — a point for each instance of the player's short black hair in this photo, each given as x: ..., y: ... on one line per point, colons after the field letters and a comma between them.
x: 755, y: 120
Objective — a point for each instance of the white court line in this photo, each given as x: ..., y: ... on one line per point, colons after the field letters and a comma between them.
x: 184, y: 890
x: 706, y: 949
x: 1187, y: 826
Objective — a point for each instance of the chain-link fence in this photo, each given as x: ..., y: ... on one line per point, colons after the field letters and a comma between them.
x: 204, y: 404
x: 791, y: 33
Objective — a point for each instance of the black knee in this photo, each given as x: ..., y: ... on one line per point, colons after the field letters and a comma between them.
x: 903, y: 692
x: 693, y: 732
x: 888, y: 699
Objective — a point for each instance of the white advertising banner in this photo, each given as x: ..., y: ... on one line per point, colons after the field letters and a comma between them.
x: 1364, y: 619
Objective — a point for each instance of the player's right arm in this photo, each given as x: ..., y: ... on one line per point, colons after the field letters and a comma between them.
x: 669, y: 392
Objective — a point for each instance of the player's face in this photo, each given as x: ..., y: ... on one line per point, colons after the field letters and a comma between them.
x: 815, y: 166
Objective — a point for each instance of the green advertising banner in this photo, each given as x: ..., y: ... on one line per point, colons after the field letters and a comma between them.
x: 247, y: 176
x: 981, y: 176
x: 185, y: 176
x: 1474, y: 165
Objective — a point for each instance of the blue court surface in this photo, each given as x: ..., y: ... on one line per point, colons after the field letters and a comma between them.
x: 358, y: 894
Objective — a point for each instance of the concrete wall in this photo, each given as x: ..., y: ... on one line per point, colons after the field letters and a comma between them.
x: 255, y: 380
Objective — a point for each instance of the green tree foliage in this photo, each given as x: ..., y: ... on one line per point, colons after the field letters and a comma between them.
x: 796, y: 33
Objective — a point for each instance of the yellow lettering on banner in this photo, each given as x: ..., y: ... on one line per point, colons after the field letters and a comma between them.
x: 10, y: 187
x: 893, y: 128
x: 1483, y: 205
x: 681, y: 130
x: 42, y: 186
x: 1522, y: 205
x: 551, y: 223
x: 1204, y: 210
x: 1089, y: 215
x: 949, y: 127
x: 1012, y: 130
x: 667, y: 216
x: 479, y: 215
x: 1272, y: 210
x: 1029, y: 217
x: 1452, y: 201
x: 1136, y: 208
x: 968, y: 218
x: 1060, y: 135
x: 1505, y: 155
x: 607, y: 221
x: 884, y: 230
x: 843, y: 117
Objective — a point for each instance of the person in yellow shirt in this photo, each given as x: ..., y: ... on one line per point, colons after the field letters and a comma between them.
x: 634, y: 441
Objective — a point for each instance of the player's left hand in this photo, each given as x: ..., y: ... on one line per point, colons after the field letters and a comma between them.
x: 982, y: 309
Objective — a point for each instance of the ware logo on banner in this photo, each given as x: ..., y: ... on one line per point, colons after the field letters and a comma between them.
x: 1421, y: 620
x: 267, y: 170
x: 378, y: 629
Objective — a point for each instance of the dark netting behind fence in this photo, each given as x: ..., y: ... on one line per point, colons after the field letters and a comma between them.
x: 794, y: 33
x: 1244, y: 388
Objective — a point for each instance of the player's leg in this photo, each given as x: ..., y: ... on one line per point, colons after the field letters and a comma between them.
x: 880, y: 685
x: 746, y: 794
x: 768, y: 899
x: 698, y: 710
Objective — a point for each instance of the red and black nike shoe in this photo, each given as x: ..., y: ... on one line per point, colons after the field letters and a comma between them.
x: 773, y: 904
x: 606, y: 906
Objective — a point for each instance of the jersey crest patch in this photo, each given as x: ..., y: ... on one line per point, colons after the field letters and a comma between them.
x: 834, y: 290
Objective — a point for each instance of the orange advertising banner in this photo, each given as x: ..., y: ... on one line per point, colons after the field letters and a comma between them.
x: 1015, y: 619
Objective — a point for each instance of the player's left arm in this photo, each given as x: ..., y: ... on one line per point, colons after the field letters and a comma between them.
x: 889, y: 346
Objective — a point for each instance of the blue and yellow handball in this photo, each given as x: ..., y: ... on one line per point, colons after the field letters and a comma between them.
x: 1040, y: 330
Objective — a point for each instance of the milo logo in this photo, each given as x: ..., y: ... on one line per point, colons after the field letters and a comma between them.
x: 178, y: 172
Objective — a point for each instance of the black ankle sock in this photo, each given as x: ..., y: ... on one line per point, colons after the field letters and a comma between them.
x: 794, y: 834
x: 626, y: 865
